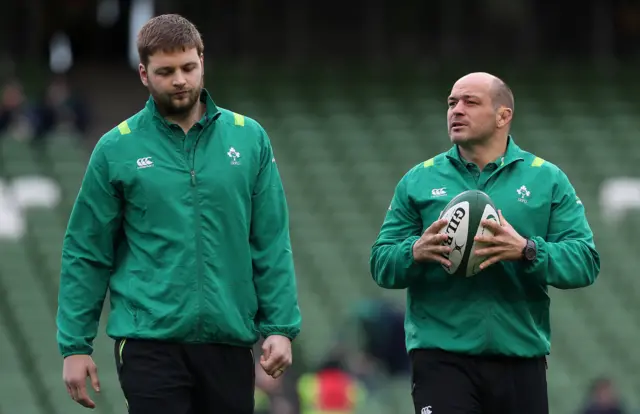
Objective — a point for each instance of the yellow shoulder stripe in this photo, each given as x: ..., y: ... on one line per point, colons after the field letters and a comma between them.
x: 428, y: 163
x: 537, y: 162
x: 123, y: 127
x: 238, y: 119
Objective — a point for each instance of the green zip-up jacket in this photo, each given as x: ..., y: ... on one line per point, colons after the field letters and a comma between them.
x: 504, y: 310
x: 189, y: 233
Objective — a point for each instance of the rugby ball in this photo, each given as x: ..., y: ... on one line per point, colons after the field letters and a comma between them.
x: 464, y: 214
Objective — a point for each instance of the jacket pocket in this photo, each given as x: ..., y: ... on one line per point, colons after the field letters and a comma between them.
x: 162, y: 299
x: 130, y: 304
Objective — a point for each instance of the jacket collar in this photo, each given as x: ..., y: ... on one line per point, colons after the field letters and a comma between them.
x: 513, y: 153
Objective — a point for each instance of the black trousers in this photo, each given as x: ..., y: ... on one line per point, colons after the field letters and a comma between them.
x: 169, y: 378
x: 448, y: 383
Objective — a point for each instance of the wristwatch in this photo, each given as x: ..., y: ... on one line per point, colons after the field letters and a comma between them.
x: 530, y: 251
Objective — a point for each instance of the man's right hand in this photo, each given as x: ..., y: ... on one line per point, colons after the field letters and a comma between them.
x: 75, y: 371
x: 429, y: 247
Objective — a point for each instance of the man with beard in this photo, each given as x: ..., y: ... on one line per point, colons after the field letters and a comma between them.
x: 182, y: 217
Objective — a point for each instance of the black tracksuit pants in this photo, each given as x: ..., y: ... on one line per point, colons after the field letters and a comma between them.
x: 169, y: 378
x: 448, y: 383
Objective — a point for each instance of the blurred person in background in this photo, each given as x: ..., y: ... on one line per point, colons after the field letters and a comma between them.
x: 331, y: 388
x: 603, y: 399
x: 382, y: 324
x: 373, y: 338
x: 479, y: 344
x: 182, y: 216
x: 17, y: 117
x: 62, y: 110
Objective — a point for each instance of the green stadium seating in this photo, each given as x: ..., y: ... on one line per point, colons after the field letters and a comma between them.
x: 342, y: 144
x: 15, y: 379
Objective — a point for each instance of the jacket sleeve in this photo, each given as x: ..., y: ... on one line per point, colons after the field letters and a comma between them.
x: 274, y: 273
x: 391, y: 261
x: 567, y: 257
x: 87, y: 258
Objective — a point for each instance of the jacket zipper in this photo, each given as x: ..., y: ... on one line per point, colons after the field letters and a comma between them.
x: 198, y: 232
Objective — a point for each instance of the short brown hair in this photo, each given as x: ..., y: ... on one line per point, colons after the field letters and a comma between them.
x: 167, y: 33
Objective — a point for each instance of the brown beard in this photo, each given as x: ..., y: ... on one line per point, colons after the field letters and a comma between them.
x: 167, y: 107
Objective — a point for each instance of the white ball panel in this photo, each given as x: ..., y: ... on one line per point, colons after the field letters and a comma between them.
x: 474, y: 262
x: 457, y: 229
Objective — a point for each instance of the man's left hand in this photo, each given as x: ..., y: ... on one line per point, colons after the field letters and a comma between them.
x: 276, y: 355
x: 505, y: 244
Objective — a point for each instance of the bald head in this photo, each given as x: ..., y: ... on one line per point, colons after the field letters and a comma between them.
x: 501, y: 94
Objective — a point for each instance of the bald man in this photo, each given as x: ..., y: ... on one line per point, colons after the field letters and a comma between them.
x: 478, y: 345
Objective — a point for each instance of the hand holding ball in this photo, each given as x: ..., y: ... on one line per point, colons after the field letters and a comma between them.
x: 464, y: 215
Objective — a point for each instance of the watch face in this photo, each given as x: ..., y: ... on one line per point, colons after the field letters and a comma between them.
x: 530, y: 251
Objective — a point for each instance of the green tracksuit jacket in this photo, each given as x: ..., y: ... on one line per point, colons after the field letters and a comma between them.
x: 504, y: 310
x: 188, y: 232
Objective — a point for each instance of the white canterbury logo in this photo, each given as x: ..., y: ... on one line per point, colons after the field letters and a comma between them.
x: 426, y: 410
x: 144, y: 162
x: 438, y: 192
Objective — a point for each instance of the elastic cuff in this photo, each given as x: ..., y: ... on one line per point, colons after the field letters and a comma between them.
x: 537, y: 266
x: 409, y: 260
x: 289, y: 336
x: 77, y: 352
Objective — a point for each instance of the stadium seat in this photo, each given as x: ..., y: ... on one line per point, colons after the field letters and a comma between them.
x: 15, y: 380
